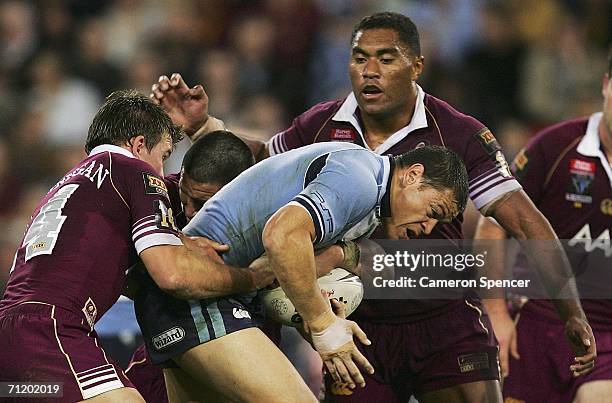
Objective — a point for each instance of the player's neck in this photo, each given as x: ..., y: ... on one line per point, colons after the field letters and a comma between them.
x: 377, y: 128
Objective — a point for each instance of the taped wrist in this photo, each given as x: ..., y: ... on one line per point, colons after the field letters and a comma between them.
x: 333, y: 337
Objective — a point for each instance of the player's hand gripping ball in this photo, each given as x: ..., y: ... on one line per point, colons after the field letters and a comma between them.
x: 338, y: 284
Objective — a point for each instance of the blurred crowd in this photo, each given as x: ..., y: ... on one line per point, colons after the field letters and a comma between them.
x: 516, y: 65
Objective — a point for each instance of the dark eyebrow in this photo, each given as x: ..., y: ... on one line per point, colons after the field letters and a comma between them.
x: 379, y: 52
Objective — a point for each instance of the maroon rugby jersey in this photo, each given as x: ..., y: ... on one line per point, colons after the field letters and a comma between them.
x: 434, y: 122
x: 88, y: 230
x: 568, y: 177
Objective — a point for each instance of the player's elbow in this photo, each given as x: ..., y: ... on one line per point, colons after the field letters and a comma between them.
x: 171, y: 282
x: 274, y: 235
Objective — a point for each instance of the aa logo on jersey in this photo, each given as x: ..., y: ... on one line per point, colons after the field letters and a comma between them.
x: 154, y: 185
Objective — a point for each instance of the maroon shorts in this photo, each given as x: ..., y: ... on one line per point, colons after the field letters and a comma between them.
x: 45, y: 343
x: 542, y: 374
x: 147, y: 377
x: 455, y: 347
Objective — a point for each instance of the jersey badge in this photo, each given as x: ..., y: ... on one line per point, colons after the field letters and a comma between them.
x: 487, y: 141
x: 91, y: 312
x: 606, y: 206
x: 579, y: 189
x: 340, y: 389
x: 154, y: 185
x: 473, y: 362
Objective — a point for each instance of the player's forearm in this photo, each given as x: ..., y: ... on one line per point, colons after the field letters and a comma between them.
x: 550, y: 261
x: 199, y: 277
x: 293, y: 263
x: 329, y: 258
x: 211, y: 124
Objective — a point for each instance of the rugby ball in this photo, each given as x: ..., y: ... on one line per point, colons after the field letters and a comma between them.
x: 339, y: 284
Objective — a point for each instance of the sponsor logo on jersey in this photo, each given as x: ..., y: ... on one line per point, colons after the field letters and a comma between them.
x: 168, y: 337
x: 606, y: 206
x: 241, y: 313
x: 488, y: 141
x: 582, y: 174
x: 343, y: 135
x: 90, y: 311
x: 473, y: 362
x: 585, y: 238
x: 154, y: 185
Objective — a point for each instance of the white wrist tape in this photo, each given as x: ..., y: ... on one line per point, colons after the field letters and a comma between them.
x: 335, y: 336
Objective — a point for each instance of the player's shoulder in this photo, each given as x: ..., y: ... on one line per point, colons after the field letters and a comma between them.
x: 450, y: 120
x: 320, y: 112
x: 559, y: 136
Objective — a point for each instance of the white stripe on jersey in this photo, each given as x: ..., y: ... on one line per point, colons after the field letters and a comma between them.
x: 156, y: 239
x: 495, y: 192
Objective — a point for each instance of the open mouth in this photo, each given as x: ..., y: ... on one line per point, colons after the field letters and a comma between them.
x: 371, y: 91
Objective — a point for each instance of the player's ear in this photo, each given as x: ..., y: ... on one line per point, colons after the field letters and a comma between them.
x: 137, y: 144
x: 417, y: 67
x: 412, y: 175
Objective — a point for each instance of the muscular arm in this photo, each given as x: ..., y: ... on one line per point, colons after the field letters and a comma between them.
x: 287, y: 239
x: 522, y: 220
x: 186, y: 274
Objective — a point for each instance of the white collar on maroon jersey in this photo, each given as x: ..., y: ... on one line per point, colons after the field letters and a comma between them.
x: 111, y: 148
x: 346, y: 113
x: 590, y: 145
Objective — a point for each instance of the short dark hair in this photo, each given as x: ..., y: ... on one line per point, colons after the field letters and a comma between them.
x: 444, y: 169
x: 127, y: 114
x: 218, y: 158
x: 405, y: 28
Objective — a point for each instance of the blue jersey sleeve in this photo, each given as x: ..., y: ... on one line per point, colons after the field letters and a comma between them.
x: 338, y: 197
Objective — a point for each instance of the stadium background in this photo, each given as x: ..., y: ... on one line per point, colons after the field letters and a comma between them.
x: 517, y: 65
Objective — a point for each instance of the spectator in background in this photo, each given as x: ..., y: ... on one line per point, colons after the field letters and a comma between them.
x: 18, y: 38
x: 560, y: 68
x: 90, y: 57
x: 67, y: 103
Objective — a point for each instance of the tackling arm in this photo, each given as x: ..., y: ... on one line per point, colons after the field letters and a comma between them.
x: 186, y: 274
x: 521, y: 219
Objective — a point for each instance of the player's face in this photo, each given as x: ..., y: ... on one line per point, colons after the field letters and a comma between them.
x: 382, y: 70
x: 194, y: 194
x: 158, y: 154
x: 417, y: 209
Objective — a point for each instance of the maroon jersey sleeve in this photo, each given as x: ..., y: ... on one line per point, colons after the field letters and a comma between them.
x: 146, y: 195
x: 304, y: 129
